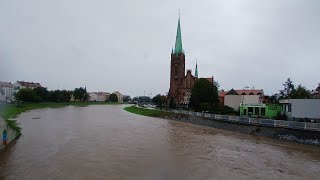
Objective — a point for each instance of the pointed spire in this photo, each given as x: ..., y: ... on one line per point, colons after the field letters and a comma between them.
x: 178, y: 45
x: 196, y: 72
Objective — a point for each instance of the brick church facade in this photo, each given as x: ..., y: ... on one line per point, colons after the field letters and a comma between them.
x: 181, y: 82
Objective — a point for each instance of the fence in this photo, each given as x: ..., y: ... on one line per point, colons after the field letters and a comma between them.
x: 255, y: 121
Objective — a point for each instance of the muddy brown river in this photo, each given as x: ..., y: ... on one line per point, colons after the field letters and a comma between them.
x: 106, y: 142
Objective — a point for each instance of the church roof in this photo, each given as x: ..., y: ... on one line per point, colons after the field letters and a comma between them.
x: 178, y: 46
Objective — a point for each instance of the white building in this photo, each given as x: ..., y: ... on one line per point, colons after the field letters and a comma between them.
x: 301, y: 108
x: 6, y: 91
x: 119, y: 95
x: 22, y: 84
x: 99, y: 96
x: 234, y: 98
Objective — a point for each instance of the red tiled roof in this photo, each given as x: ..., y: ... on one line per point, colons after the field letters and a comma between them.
x: 29, y: 84
x: 249, y: 91
x: 6, y: 84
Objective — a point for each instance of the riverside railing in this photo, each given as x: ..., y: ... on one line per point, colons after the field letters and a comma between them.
x: 255, y: 121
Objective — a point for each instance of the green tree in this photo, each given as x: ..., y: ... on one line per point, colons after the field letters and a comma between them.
x: 126, y: 98
x: 300, y: 92
x: 204, y: 95
x: 27, y: 95
x: 80, y: 94
x: 41, y: 93
x: 288, y: 89
x: 113, y: 98
x: 159, y: 100
x: 172, y: 104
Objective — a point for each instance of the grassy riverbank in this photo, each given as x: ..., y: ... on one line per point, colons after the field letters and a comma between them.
x: 8, y: 111
x: 146, y: 112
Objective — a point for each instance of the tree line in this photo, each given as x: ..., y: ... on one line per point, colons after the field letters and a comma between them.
x: 41, y: 94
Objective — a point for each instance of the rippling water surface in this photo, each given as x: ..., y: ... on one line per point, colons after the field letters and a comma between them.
x: 106, y: 142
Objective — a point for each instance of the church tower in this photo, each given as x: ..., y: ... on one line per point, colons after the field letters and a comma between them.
x: 177, y: 67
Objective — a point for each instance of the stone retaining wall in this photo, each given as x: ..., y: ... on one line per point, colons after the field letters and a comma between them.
x: 7, y: 134
x: 254, y: 128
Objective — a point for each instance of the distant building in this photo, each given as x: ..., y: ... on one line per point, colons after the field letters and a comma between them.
x: 234, y: 98
x: 98, y: 96
x: 22, y: 84
x: 299, y: 109
x: 6, y: 91
x: 119, y: 95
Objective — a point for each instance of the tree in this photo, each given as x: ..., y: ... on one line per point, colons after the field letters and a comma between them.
x: 159, y: 100
x: 27, y: 95
x: 172, y: 103
x: 300, y: 92
x: 126, y: 98
x: 80, y: 94
x: 41, y: 93
x: 288, y: 89
x: 113, y: 98
x: 274, y: 98
x: 291, y: 92
x: 204, y: 95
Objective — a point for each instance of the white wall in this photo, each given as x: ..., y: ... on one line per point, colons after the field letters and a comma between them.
x: 234, y: 101
x: 305, y: 108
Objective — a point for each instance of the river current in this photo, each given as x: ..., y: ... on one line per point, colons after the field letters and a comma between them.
x: 106, y: 142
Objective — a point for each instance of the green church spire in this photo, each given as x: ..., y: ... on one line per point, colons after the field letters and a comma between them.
x: 178, y: 46
x: 196, y: 72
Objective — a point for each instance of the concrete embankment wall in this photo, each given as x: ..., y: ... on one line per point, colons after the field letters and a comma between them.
x: 296, y: 135
x: 7, y: 134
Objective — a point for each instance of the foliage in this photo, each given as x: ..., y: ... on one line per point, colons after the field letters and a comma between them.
x: 300, y: 93
x: 80, y: 94
x: 41, y: 93
x: 126, y: 98
x: 113, y: 98
x: 274, y: 98
x: 204, y: 95
x: 146, y: 112
x: 60, y: 96
x: 159, y: 100
x: 172, y: 104
x: 27, y: 95
x: 288, y: 89
x: 141, y: 99
x: 224, y: 110
x: 291, y: 92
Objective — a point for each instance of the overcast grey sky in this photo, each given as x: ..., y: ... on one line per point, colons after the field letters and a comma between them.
x: 126, y: 45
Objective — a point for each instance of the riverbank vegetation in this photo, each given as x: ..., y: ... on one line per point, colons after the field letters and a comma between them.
x: 147, y: 112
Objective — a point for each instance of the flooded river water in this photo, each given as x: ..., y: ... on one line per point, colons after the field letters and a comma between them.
x: 106, y: 142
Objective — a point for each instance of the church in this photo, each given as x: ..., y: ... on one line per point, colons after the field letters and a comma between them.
x: 181, y: 82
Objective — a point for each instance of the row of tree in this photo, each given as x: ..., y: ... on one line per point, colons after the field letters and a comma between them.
x: 291, y: 91
x: 41, y: 94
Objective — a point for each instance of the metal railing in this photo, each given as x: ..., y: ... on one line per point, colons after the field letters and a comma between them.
x: 255, y: 121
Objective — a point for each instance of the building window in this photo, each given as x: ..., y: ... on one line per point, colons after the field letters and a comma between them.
x: 250, y: 110
x: 256, y: 111
x: 263, y: 111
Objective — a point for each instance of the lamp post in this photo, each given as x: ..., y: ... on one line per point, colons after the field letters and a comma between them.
x: 241, y: 107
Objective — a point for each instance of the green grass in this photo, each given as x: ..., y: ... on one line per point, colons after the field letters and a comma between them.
x: 8, y: 111
x: 146, y: 112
